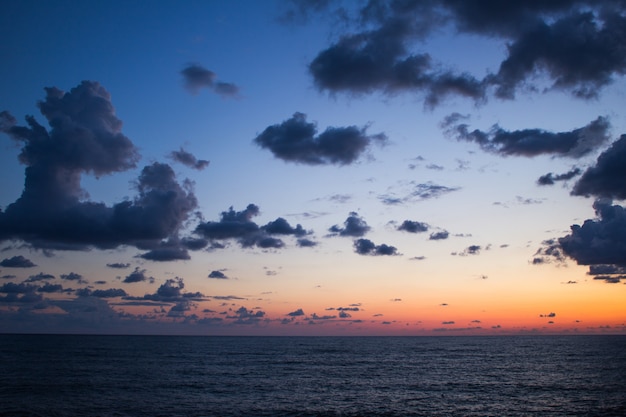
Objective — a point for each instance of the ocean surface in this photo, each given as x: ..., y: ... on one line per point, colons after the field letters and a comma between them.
x: 62, y: 375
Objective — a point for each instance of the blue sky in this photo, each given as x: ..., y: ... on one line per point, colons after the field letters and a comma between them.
x: 435, y: 155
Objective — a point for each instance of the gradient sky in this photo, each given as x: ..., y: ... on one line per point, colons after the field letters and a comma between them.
x: 313, y: 167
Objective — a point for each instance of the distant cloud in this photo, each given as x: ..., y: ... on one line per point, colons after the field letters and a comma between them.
x: 189, y: 160
x: 40, y: 277
x: 73, y: 276
x: 296, y: 313
x: 413, y: 226
x: 165, y: 251
x: 306, y: 243
x: 118, y: 265
x: 17, y: 262
x: 550, y: 178
x: 85, y: 138
x: 239, y: 225
x: 217, y: 275
x: 354, y: 226
x: 416, y: 192
x: 196, y: 77
x: 367, y: 247
x: 439, y: 235
x: 296, y: 140
x: 138, y: 275
x: 531, y: 142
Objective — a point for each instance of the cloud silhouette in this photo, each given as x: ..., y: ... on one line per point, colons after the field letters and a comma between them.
x: 188, y: 159
x: 17, y: 262
x: 531, y: 142
x: 608, y: 177
x: 413, y: 226
x: 367, y: 247
x: 196, y: 77
x: 217, y: 275
x: 296, y: 140
x: 85, y: 138
x: 550, y: 178
x: 354, y: 226
x: 576, y: 46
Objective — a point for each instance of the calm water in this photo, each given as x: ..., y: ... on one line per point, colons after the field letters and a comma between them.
x: 315, y: 376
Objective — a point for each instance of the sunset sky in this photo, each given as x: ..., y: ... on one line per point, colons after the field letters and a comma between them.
x: 313, y: 167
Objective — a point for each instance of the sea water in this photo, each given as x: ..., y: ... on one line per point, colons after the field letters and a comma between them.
x: 67, y: 375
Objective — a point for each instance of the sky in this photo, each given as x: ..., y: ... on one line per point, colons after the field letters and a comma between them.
x: 313, y: 167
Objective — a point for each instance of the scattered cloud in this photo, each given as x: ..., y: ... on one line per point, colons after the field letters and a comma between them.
x: 354, y: 226
x: 531, y: 142
x: 367, y: 247
x: 606, y: 178
x: 17, y: 262
x: 296, y: 140
x: 217, y: 275
x: 413, y: 226
x: 196, y: 77
x: 188, y: 159
x: 550, y: 178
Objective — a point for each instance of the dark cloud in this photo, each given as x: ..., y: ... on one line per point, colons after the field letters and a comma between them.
x: 196, y: 77
x: 13, y: 288
x: 579, y: 52
x: 53, y: 211
x: 17, y: 262
x: 296, y: 313
x: 40, y: 277
x: 600, y: 241
x: 550, y: 178
x: 413, y: 226
x: 218, y: 275
x: 439, y: 235
x: 306, y: 243
x: 379, y: 60
x: 189, y: 160
x: 165, y: 251
x: 138, y: 275
x: 239, y: 225
x: 296, y: 140
x: 280, y: 226
x: 607, y: 178
x: 576, y: 46
x: 118, y: 265
x: 531, y: 142
x: 52, y: 288
x: 245, y: 316
x: 354, y: 226
x: 108, y: 293
x: 171, y: 291
x: 367, y: 247
x: 73, y: 276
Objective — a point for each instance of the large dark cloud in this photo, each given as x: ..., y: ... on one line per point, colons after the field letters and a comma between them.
x: 607, y: 178
x: 354, y: 226
x: 576, y: 45
x: 296, y: 140
x: 531, y: 142
x: 598, y: 241
x: 196, y: 77
x: 85, y: 137
x: 238, y: 225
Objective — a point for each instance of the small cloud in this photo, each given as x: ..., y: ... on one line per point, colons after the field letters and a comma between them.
x: 189, y: 160
x: 118, y: 265
x: 196, y: 77
x: 217, y: 275
x: 296, y: 313
x: 17, y: 262
x: 367, y: 247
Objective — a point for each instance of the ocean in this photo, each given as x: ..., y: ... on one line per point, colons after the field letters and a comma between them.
x: 71, y: 375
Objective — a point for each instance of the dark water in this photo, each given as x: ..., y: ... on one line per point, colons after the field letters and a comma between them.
x: 316, y: 376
